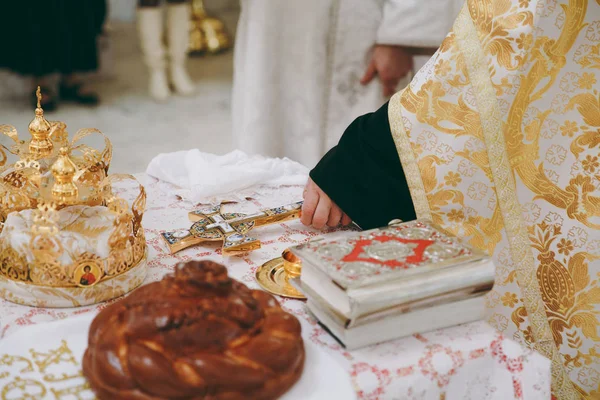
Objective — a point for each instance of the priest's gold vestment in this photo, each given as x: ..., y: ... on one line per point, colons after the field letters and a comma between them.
x: 499, y: 138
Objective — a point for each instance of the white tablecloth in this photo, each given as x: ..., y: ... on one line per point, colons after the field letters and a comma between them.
x: 466, y: 362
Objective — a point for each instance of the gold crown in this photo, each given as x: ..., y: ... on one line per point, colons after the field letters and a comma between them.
x: 20, y: 181
x: 31, y: 249
x: 66, y: 237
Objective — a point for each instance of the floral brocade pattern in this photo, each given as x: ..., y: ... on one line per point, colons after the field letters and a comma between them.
x: 502, y: 146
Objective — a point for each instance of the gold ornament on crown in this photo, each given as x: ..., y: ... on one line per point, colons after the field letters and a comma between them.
x: 22, y: 182
x: 48, y: 179
x: 127, y: 244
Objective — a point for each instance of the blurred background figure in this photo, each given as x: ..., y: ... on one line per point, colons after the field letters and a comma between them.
x: 139, y: 126
x: 304, y: 70
x: 45, y: 37
x: 298, y: 70
x: 151, y: 31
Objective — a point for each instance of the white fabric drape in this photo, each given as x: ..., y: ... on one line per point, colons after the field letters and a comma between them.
x: 298, y: 65
x: 204, y: 177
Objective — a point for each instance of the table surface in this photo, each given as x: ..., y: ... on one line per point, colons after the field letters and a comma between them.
x: 470, y: 361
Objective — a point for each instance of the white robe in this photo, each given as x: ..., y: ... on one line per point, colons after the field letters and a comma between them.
x: 298, y: 64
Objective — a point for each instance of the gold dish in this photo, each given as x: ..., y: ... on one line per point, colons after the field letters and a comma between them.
x: 273, y: 276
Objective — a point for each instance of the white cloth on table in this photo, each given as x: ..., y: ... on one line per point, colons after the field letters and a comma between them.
x: 466, y: 362
x: 205, y: 177
x: 66, y: 341
x: 82, y: 230
x: 298, y: 66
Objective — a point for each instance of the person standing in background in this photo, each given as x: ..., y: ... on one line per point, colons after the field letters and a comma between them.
x: 304, y: 70
x: 44, y: 37
x: 151, y: 30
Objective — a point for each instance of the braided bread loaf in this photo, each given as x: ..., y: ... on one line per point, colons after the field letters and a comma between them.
x: 197, y: 334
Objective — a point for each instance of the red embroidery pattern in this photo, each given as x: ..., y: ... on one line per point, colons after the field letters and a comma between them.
x: 428, y: 367
x: 382, y: 376
x: 513, y: 365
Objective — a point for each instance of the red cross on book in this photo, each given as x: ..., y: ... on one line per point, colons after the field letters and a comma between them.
x: 403, y: 252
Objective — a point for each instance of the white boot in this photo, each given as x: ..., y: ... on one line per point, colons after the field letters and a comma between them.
x: 150, y: 28
x: 178, y: 25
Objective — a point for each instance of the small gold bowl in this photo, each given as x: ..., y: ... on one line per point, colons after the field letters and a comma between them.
x: 292, y: 264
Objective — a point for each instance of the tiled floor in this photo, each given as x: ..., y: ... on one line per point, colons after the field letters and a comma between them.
x: 138, y: 127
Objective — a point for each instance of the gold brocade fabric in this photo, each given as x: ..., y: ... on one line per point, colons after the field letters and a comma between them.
x: 499, y: 138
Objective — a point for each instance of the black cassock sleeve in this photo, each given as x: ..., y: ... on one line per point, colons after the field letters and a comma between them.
x: 363, y: 174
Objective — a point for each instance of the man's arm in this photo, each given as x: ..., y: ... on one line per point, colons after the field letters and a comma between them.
x: 362, y: 175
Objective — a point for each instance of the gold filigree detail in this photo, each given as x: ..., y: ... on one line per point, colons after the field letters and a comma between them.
x: 13, y: 265
x: 37, y: 155
x: 58, y: 132
x: 43, y: 360
x: 39, y: 379
x: 10, y: 361
x: 90, y: 157
x: 20, y: 388
x: 127, y: 244
x: 79, y: 392
x: 10, y: 132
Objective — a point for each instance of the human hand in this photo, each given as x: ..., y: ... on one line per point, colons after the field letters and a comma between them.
x: 318, y: 210
x: 391, y: 63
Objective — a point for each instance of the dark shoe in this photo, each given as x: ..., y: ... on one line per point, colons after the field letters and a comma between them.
x: 49, y: 101
x: 73, y: 93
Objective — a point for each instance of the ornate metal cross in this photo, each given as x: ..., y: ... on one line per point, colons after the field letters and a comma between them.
x: 210, y: 225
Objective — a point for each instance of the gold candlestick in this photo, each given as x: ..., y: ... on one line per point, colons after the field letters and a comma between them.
x: 207, y: 33
x: 291, y: 264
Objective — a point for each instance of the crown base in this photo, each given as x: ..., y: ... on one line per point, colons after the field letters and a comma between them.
x: 28, y: 294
